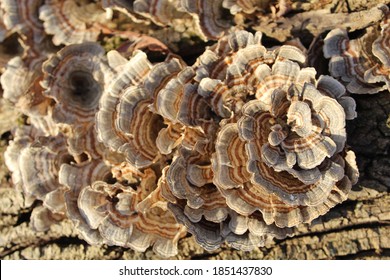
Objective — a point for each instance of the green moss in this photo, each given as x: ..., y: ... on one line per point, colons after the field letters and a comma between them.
x: 112, y: 43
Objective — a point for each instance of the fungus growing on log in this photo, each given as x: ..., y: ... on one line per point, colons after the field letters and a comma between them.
x: 238, y: 148
x: 363, y: 63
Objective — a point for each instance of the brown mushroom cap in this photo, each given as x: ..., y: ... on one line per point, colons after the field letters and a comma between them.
x: 278, y: 157
x: 381, y: 50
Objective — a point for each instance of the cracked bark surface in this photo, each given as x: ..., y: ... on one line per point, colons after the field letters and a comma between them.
x: 356, y: 229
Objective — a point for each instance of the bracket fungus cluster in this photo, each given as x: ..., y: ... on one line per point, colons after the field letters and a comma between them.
x: 363, y: 64
x: 238, y: 148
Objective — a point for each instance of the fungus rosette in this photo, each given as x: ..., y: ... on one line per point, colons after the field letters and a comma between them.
x: 240, y: 147
x: 279, y: 157
x: 74, y: 79
x: 72, y: 21
x: 34, y: 161
x: 132, y: 216
x: 124, y: 122
x: 362, y: 63
x: 202, y: 208
x: 285, y: 154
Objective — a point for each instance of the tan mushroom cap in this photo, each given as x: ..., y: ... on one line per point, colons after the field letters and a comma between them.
x: 160, y: 75
x: 186, y: 114
x: 169, y: 138
x: 169, y: 98
x: 206, y: 233
x: 140, y: 125
x: 214, y: 62
x: 361, y: 63
x: 52, y: 211
x: 189, y: 177
x: 333, y: 88
x: 239, y: 232
x: 155, y: 211
x: 248, y: 233
x: 180, y: 103
x: 381, y: 50
x: 131, y: 74
x: 72, y: 21
x: 201, y: 207
x: 279, y: 156
x: 85, y: 145
x: 230, y: 160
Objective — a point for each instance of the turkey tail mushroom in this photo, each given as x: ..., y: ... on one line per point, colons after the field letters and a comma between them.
x: 74, y: 79
x: 363, y: 63
x: 131, y: 218
x: 238, y: 148
x: 209, y: 17
x: 72, y: 21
